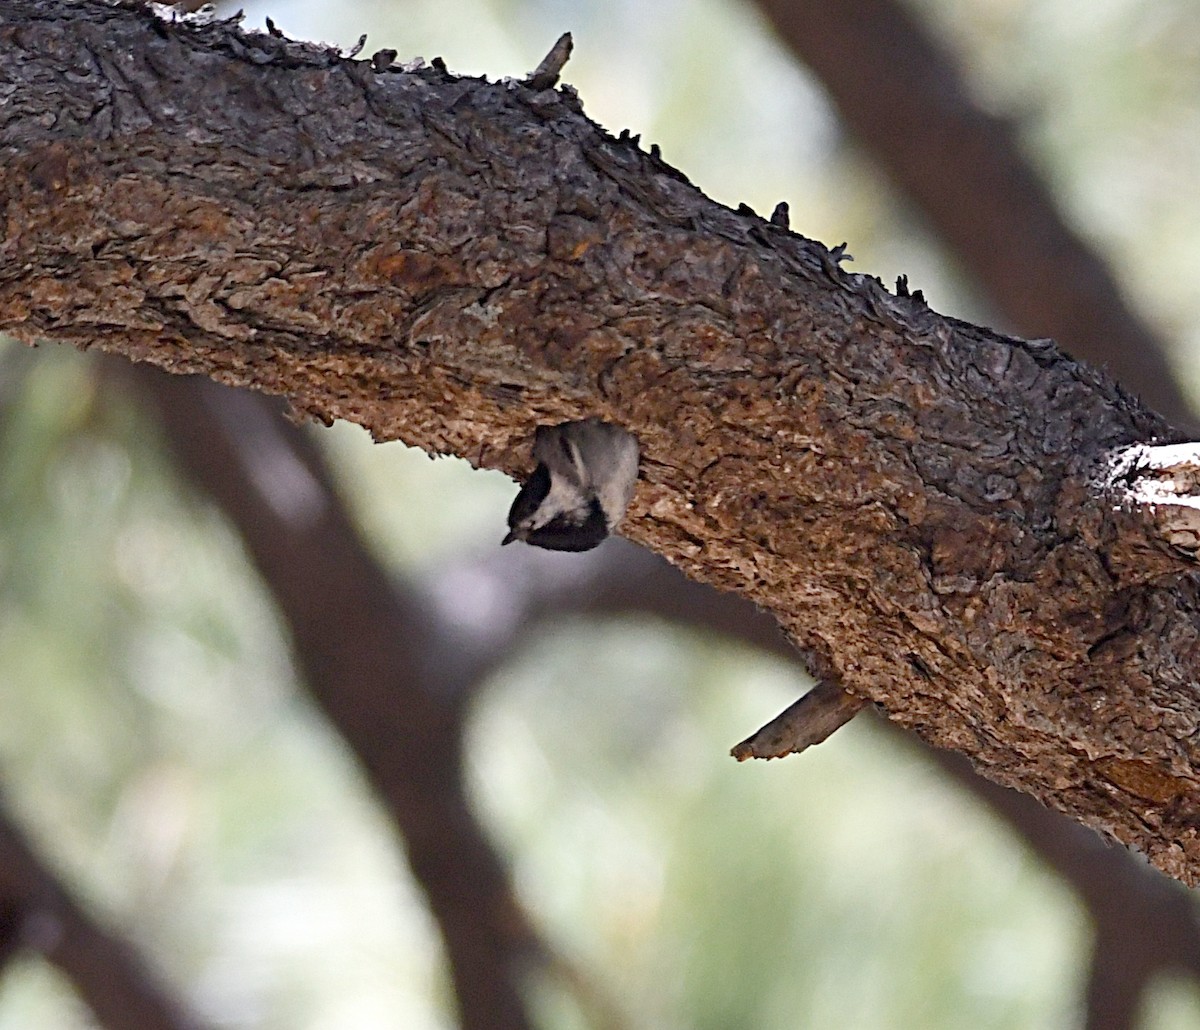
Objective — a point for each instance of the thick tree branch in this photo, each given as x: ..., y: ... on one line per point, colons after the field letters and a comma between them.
x: 1132, y: 907
x: 449, y: 261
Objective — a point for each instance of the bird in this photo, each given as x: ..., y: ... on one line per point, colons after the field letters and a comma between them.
x: 578, y: 493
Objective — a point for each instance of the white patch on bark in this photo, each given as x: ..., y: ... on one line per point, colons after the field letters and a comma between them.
x: 1165, y: 479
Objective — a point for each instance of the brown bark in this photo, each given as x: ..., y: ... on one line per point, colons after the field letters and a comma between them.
x: 810, y: 720
x: 449, y: 261
x: 906, y: 102
x: 1136, y: 912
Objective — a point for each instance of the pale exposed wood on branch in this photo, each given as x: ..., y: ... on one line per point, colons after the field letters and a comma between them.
x: 1166, y: 481
x: 1123, y: 897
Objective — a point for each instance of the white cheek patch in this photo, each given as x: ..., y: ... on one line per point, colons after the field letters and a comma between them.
x: 564, y: 498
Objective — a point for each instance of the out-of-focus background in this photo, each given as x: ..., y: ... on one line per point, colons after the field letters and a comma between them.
x: 160, y: 752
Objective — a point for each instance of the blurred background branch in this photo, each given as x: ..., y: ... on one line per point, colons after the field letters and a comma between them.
x: 905, y: 100
x: 39, y: 914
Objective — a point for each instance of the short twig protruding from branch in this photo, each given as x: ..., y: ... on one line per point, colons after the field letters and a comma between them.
x: 382, y: 60
x: 545, y: 75
x: 809, y: 721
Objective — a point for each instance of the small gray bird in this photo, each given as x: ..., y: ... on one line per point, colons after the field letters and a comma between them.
x: 578, y: 493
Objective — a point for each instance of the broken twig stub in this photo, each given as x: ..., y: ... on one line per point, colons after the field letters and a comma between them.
x: 546, y: 74
x: 824, y: 709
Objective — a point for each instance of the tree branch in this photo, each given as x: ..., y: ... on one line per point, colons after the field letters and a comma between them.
x: 389, y: 673
x: 449, y: 261
x: 824, y: 709
x: 1130, y: 905
x: 906, y: 101
x: 37, y: 912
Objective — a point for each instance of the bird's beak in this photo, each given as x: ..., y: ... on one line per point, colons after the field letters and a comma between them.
x: 514, y: 535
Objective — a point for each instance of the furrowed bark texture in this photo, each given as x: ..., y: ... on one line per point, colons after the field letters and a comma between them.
x: 449, y: 262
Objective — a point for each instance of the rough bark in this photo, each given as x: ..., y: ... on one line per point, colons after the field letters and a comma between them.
x: 449, y: 261
x: 1134, y: 910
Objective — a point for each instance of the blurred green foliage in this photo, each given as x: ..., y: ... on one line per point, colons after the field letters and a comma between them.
x: 158, y: 749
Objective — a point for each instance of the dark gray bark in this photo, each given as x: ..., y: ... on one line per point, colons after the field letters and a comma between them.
x: 449, y: 262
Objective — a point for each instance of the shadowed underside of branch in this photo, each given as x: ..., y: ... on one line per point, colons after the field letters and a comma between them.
x: 449, y: 262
